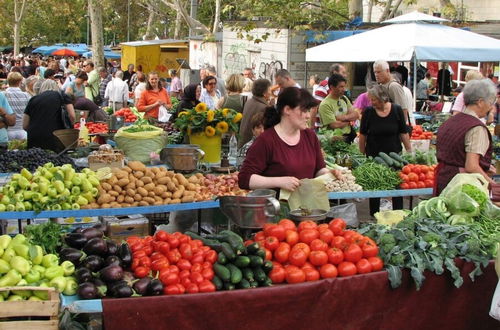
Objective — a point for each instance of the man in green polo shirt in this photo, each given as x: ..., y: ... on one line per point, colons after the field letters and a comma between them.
x: 336, y: 111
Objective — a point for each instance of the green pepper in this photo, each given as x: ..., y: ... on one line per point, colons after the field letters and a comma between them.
x: 20, y: 264
x: 66, y: 206
x: 56, y: 207
x: 42, y: 294
x: 10, y: 208
x: 59, y: 185
x: 75, y: 206
x: 75, y: 191
x: 76, y: 181
x: 69, y: 173
x: 11, y: 278
x: 15, y: 298
x: 23, y: 182
x: 8, y: 254
x: 44, y: 200
x: 68, y: 184
x: 28, y: 206
x: 36, y: 254
x: 34, y: 187
x: 53, y: 272
x: 27, y: 174
x: 27, y: 194
x: 48, y: 175
x: 1, y: 298
x: 48, y: 165
x: 1, y: 249
x: 19, y: 239
x: 94, y: 191
x: 50, y: 260
x: 22, y: 293
x: 5, y: 200
x: 34, y: 298
x: 22, y: 250
x: 3, y: 208
x: 86, y: 185
x: 19, y: 197
x: 65, y: 193
x: 4, y: 294
x: 94, y: 181
x: 59, y: 283
x: 88, y: 196
x: 20, y: 207
x: 39, y: 269
x: 69, y: 268
x: 4, y: 266
x: 4, y: 241
x: 71, y: 286
x: 36, y: 197
x: 52, y: 192
x: 43, y: 187
x: 33, y: 276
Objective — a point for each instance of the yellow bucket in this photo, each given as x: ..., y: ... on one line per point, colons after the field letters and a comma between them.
x: 210, y: 145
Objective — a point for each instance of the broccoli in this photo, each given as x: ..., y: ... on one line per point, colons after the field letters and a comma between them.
x: 433, y: 239
x: 388, y: 242
x: 397, y: 260
x: 407, y: 223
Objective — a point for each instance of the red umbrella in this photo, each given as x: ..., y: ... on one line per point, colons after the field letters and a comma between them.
x: 64, y: 52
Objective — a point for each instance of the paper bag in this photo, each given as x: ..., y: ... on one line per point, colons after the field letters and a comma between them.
x: 311, y: 194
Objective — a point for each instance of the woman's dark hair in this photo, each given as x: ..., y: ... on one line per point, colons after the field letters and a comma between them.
x: 82, y: 75
x: 207, y: 80
x: 260, y: 86
x: 190, y: 93
x: 293, y: 97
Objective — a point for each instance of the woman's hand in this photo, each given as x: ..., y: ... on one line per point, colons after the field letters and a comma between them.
x: 289, y: 183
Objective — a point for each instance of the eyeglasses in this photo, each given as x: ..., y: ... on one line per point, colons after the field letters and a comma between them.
x: 212, y: 84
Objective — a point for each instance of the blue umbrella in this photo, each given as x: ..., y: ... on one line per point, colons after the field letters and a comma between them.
x: 107, y: 54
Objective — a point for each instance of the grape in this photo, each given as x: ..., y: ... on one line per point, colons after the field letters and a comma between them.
x: 14, y: 161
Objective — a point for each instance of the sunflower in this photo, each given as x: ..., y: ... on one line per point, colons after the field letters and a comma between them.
x: 237, y: 118
x: 225, y: 112
x: 201, y: 107
x: 209, y: 131
x: 210, y: 115
x: 222, y: 127
x: 183, y: 113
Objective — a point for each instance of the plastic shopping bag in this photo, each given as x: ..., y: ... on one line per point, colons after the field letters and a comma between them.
x: 311, y: 194
x: 460, y: 202
x: 348, y: 212
x: 163, y: 115
x: 138, y: 145
x: 495, y: 302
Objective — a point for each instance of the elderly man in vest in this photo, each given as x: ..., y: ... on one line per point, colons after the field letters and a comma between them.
x: 464, y: 144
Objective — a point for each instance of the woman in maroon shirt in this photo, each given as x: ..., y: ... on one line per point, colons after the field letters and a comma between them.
x: 287, y: 151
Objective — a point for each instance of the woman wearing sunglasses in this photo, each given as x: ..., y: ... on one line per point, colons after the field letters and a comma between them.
x: 210, y: 95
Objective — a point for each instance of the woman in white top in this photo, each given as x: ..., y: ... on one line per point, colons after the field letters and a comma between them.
x: 210, y: 95
x: 141, y: 86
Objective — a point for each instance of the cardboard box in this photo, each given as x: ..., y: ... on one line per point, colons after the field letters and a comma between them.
x: 11, y: 226
x: 114, y: 159
x: 73, y: 220
x: 420, y: 145
x: 118, y: 228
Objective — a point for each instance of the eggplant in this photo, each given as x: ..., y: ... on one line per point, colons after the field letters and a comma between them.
x: 119, y: 289
x: 93, y: 263
x: 75, y: 240
x: 100, y: 226
x: 78, y: 230
x: 87, y: 290
x: 92, y: 233
x: 111, y: 273
x: 83, y: 275
x: 142, y: 285
x: 112, y: 248
x: 97, y: 246
x: 101, y: 287
x: 113, y: 260
x: 155, y: 288
x: 71, y: 254
x: 125, y: 254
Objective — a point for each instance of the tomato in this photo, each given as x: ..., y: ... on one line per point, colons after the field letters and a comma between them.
x: 205, y: 248
x: 157, y: 256
x: 421, y: 177
x: 248, y: 242
x: 318, y: 258
x: 269, y: 254
x: 135, y: 264
x: 369, y: 250
x: 322, y: 227
x: 429, y: 183
x: 308, y: 235
x: 184, y: 274
x: 413, y: 177
x: 335, y: 256
x: 424, y: 169
x: 420, y: 184
x: 164, y: 247
x: 406, y: 169
x: 275, y: 230
x: 174, y: 256
x: 412, y: 185
x: 311, y: 274
x: 197, y: 278
x: 171, y: 290
x: 206, y: 264
x: 145, y: 262
x: 353, y: 253
x: 197, y: 258
x: 271, y: 243
x: 136, y: 246
x: 211, y: 256
x: 351, y: 236
x: 404, y: 185
x: 363, y: 266
x: 328, y: 271
x: 376, y: 262
x: 159, y: 264
x: 302, y: 246
x: 173, y: 241
x: 404, y: 177
x: 184, y: 264
x: 186, y: 281
x: 207, y: 273
x: 290, y: 268
x: 148, y: 249
x: 192, y: 288
x: 307, y: 224
x: 141, y: 272
x: 297, y: 257
x: 206, y: 286
x: 170, y: 278
x: 326, y: 236
x: 282, y: 252
x: 161, y: 235
x: 429, y: 175
x: 174, y: 269
x: 416, y: 170
x: 259, y: 236
x: 183, y: 238
x: 287, y: 224
x: 337, y: 226
x: 295, y: 276
x: 318, y: 245
x: 347, y: 268
x: 195, y: 267
x: 186, y: 251
x: 339, y: 242
x: 277, y: 275
x: 292, y: 237
x: 132, y: 239
x: 139, y: 254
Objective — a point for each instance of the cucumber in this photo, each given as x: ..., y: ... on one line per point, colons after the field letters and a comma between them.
x: 234, y: 240
x: 256, y: 261
x: 222, y: 259
x: 244, y: 284
x: 386, y: 158
x: 259, y: 274
x: 266, y: 282
x: 253, y: 284
x: 214, y: 244
x: 253, y: 248
x: 396, y: 164
x: 398, y: 157
x: 218, y: 283
x: 247, y: 274
x: 228, y: 251
x: 222, y: 272
x: 229, y: 286
x: 242, y: 261
x: 379, y: 161
x: 261, y: 253
x: 267, y: 266
x: 236, y: 274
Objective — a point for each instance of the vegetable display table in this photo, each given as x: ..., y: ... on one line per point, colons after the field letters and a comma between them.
x: 358, y: 302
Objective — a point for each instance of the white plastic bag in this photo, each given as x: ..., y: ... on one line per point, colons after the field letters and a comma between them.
x: 495, y: 302
x: 163, y: 115
x: 348, y: 212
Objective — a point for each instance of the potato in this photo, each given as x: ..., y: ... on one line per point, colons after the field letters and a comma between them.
x: 171, y: 187
x: 178, y: 193
x: 131, y: 177
x: 106, y: 186
x: 112, y: 181
x: 113, y: 193
x: 105, y: 206
x: 131, y: 185
x: 170, y: 173
x: 175, y: 201
x: 129, y: 199
x: 137, y: 197
x: 143, y: 203
x: 199, y: 176
x: 164, y: 180
x: 151, y: 194
x: 158, y: 190
x: 117, y: 188
x: 85, y: 207
x: 94, y: 205
x: 189, y: 193
x: 193, y: 179
x: 165, y: 194
x: 158, y: 198
x: 120, y: 199
x: 121, y: 174
x: 157, y: 203
x: 130, y: 192
x: 123, y: 182
x: 149, y: 200
x: 166, y: 201
x: 187, y: 199
x: 146, y: 179
x: 134, y: 204
x: 103, y: 199
x: 139, y: 183
x: 190, y: 186
x: 138, y: 174
x: 136, y: 165
x: 127, y: 169
x: 115, y: 204
x: 149, y: 173
x: 126, y: 205
x: 175, y: 181
x: 143, y: 192
x: 160, y: 174
x: 149, y: 186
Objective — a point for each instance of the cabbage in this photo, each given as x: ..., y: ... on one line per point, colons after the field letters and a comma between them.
x: 390, y: 217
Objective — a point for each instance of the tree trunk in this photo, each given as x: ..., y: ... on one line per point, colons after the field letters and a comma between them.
x: 151, y: 18
x: 355, y: 8
x: 395, y: 8
x: 216, y: 17
x: 387, y: 11
x: 191, y: 22
x: 445, y: 3
x: 95, y: 10
x: 18, y: 16
x: 370, y: 9
x: 178, y: 25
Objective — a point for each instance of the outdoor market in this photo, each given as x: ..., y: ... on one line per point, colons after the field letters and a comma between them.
x: 147, y: 194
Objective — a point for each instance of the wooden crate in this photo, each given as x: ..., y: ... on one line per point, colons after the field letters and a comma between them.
x: 48, y: 309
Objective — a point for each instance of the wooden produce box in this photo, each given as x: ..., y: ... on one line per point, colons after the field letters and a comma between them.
x: 26, y: 309
x: 118, y: 228
x: 420, y: 145
x: 114, y: 159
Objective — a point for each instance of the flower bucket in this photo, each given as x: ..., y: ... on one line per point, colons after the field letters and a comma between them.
x: 210, y: 145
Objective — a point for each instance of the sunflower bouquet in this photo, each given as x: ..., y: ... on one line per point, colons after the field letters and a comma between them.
x: 211, y: 122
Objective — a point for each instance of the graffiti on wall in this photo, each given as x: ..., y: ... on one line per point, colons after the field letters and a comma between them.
x: 202, y: 53
x: 267, y: 70
x: 235, y: 60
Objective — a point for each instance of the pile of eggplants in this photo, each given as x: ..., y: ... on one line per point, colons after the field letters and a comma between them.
x: 101, y: 266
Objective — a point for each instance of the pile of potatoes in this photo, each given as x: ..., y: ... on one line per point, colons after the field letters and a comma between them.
x: 137, y: 185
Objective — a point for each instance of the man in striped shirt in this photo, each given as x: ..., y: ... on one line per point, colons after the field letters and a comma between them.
x: 17, y: 100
